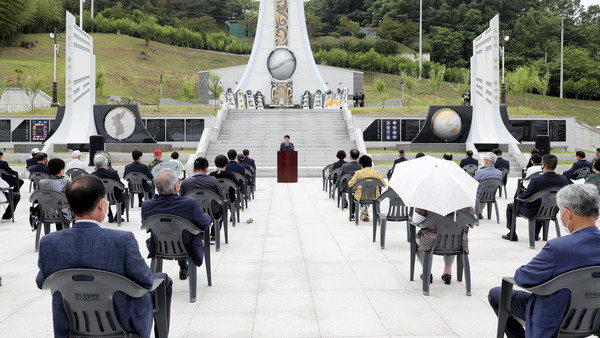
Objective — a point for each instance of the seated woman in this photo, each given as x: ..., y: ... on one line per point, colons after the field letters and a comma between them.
x: 56, y: 181
x: 426, y: 240
x: 595, y: 168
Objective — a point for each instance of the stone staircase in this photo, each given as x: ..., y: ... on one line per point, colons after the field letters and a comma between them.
x: 316, y: 134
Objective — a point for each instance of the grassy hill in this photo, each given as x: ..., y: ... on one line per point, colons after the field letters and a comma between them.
x: 133, y: 70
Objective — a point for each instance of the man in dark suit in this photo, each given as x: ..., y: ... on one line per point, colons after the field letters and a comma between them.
x: 169, y: 202
x: 33, y: 159
x: 249, y: 160
x: 102, y: 171
x: 549, y: 179
x: 137, y: 167
x: 13, y: 181
x: 469, y: 159
x: 501, y: 163
x: 578, y: 213
x: 41, y: 166
x: 353, y: 165
x: 221, y: 163
x: 88, y: 245
x: 580, y: 163
x: 286, y: 145
x: 400, y: 159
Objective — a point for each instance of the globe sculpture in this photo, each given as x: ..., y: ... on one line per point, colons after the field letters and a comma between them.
x: 446, y: 124
x: 281, y: 64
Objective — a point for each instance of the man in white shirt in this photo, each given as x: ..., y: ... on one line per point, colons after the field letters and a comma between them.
x: 76, y: 162
x: 536, y: 165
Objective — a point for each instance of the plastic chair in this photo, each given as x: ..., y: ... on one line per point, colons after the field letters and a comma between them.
x: 488, y: 196
x: 326, y: 172
x: 370, y: 190
x: 334, y: 176
x: 10, y: 200
x: 87, y: 295
x: 397, y: 212
x: 470, y: 169
x: 250, y: 174
x: 546, y: 213
x: 581, y: 318
x: 596, y: 182
x: 342, y: 189
x: 244, y: 189
x: 521, y: 186
x: 582, y: 173
x: 166, y: 234
x: 35, y: 178
x: 206, y: 198
x: 448, y: 242
x: 110, y: 185
x: 50, y: 203
x: 234, y: 208
x: 136, y: 186
x: 6, y: 173
x: 73, y: 173
x: 505, y: 172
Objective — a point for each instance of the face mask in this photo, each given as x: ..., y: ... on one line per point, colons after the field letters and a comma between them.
x: 565, y: 226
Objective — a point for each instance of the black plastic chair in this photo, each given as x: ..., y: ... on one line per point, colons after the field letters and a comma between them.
x: 546, y: 213
x: 334, y: 176
x: 166, y: 234
x: 16, y: 177
x: 521, y: 185
x: 582, y: 173
x: 326, y: 172
x: 505, y: 172
x: 35, y: 178
x: 206, y: 198
x: 110, y: 185
x: 397, y: 212
x: 50, y: 204
x: 10, y: 200
x: 73, y: 173
x: 245, y: 189
x: 470, y: 169
x: 136, y: 186
x: 370, y: 190
x: 342, y: 189
x: 448, y: 242
x: 234, y: 207
x: 488, y: 196
x: 250, y: 174
x: 596, y: 182
x: 87, y: 296
x: 582, y: 317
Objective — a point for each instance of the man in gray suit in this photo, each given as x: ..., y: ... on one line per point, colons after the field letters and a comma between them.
x: 353, y: 165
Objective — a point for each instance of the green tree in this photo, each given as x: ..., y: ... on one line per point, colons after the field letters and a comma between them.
x: 404, y: 32
x: 347, y: 26
x: 380, y: 88
x: 542, y: 85
x: 214, y: 85
x: 189, y: 87
x: 436, y: 77
x: 410, y: 83
x: 19, y: 72
x: 134, y: 86
x: 464, y: 81
x: 148, y: 28
x: 314, y: 24
x: 446, y: 46
x: 205, y: 24
x: 587, y: 87
x: 33, y: 86
x: 517, y: 82
x: 14, y: 14
x: 100, y: 79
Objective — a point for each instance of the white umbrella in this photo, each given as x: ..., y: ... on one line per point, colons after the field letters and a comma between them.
x: 434, y: 184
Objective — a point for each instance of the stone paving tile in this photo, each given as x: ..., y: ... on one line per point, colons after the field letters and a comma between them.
x: 301, y: 269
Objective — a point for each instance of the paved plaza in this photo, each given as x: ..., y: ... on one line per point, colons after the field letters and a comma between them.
x: 301, y: 269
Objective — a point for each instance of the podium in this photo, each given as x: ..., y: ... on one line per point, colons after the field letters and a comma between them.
x: 287, y: 166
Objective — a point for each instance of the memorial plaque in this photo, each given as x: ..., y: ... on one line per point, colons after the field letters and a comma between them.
x: 22, y: 132
x: 39, y: 130
x: 390, y: 130
x: 175, y: 130
x: 4, y: 130
x: 156, y: 128
x: 410, y: 129
x: 373, y: 131
x: 540, y: 128
x: 194, y: 129
x: 558, y: 130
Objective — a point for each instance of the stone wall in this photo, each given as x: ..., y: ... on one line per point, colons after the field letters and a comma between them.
x: 16, y: 99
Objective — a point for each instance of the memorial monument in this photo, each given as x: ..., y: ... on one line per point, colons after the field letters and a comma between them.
x: 281, y: 62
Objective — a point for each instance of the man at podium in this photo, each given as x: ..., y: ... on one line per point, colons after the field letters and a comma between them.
x: 286, y: 145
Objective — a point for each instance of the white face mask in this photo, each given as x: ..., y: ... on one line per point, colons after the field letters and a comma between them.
x: 560, y: 221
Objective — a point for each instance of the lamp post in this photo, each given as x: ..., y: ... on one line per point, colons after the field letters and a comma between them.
x: 81, y: 2
x: 562, y: 30
x: 505, y: 38
x: 402, y: 88
x: 53, y: 36
x: 420, y: 38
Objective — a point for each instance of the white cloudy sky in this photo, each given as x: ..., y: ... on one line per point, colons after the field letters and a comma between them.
x: 590, y: 2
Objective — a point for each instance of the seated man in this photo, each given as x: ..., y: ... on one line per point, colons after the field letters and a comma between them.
x: 13, y: 181
x: 501, y: 163
x: 580, y: 163
x: 157, y: 159
x: 137, y: 167
x: 487, y: 171
x: 88, y: 247
x: 40, y: 167
x: 468, y: 160
x: 352, y: 166
x: 175, y: 158
x: 401, y: 158
x: 33, y: 159
x: 249, y: 160
x: 102, y: 171
x: 367, y: 171
x: 169, y: 202
x: 201, y: 180
x: 4, y: 198
x: 234, y: 167
x: 221, y: 163
x: 549, y: 179
x: 242, y: 160
x: 76, y: 162
x: 578, y: 205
